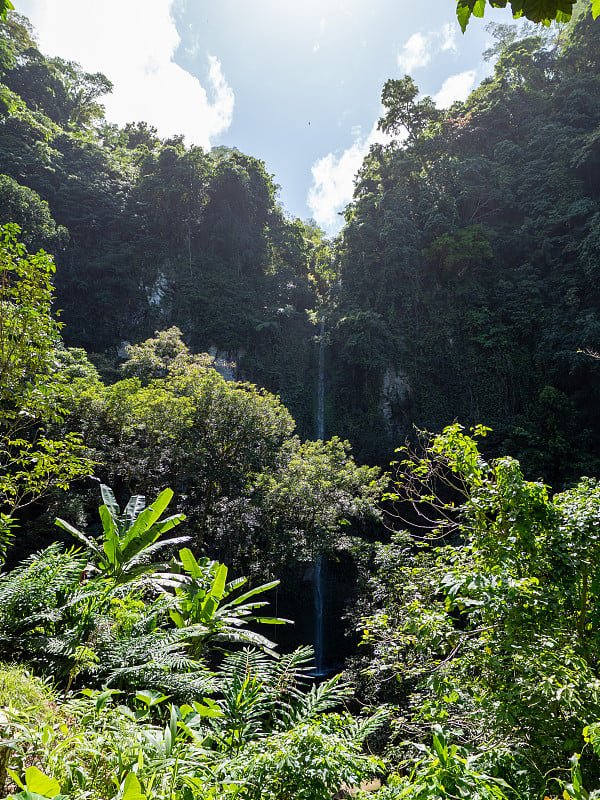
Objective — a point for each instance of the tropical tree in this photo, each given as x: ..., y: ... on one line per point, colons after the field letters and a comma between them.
x: 129, y: 538
x: 31, y: 463
x: 404, y: 115
x: 208, y: 608
x: 28, y: 333
x: 485, y: 621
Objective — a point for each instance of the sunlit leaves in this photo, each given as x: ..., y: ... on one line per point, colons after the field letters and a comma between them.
x: 29, y: 468
x: 488, y: 618
x: 30, y: 462
x: 129, y: 539
x: 28, y: 333
x: 5, y: 7
x: 542, y: 11
x: 405, y: 115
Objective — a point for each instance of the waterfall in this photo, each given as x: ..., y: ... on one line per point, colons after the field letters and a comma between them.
x: 318, y: 587
x: 321, y: 384
x: 318, y: 596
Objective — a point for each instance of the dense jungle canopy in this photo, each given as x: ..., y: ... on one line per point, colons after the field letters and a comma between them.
x: 462, y: 285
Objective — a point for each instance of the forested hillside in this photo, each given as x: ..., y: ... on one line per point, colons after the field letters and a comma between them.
x: 468, y: 264
x: 463, y: 285
x: 148, y: 233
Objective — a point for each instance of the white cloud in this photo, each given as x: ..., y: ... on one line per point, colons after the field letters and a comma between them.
x: 333, y: 175
x: 448, y: 34
x: 415, y: 53
x: 333, y: 180
x: 421, y: 47
x: 133, y: 43
x: 456, y: 87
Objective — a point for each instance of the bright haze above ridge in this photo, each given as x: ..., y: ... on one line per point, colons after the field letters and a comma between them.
x: 294, y: 84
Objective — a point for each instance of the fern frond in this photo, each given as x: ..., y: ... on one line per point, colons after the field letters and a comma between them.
x: 362, y: 727
x: 32, y: 594
x: 327, y: 696
x: 247, y: 662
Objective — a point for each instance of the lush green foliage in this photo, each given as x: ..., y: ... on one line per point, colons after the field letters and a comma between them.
x: 206, y: 607
x: 158, y: 234
x: 542, y: 11
x: 254, y: 495
x: 129, y: 538
x: 463, y: 286
x: 465, y: 283
x: 67, y: 614
x: 445, y: 771
x: 182, y: 759
x: 31, y: 463
x: 487, y: 623
x: 28, y: 334
x: 467, y: 265
x: 264, y: 732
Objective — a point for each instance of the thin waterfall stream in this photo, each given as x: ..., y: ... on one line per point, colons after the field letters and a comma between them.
x: 319, y: 587
x: 318, y: 597
x: 321, y: 384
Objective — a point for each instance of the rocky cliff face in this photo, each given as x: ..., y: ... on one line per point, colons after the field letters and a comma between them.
x: 396, y: 394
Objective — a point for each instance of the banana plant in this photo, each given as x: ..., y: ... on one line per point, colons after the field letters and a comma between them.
x: 205, y: 604
x: 129, y: 539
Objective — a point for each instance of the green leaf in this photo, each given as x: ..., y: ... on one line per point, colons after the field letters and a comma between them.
x: 167, y: 524
x: 218, y: 585
x: 132, y: 789
x: 177, y: 618
x: 134, y: 507
x: 257, y: 590
x: 36, y: 781
x: 77, y: 534
x: 111, y: 545
x: 208, y: 608
x: 595, y: 8
x: 439, y: 744
x: 208, y: 709
x: 15, y: 778
x: 5, y: 7
x: 168, y: 742
x: 156, y: 546
x: 109, y: 499
x: 463, y: 13
x: 173, y: 722
x: 104, y: 697
x: 189, y: 563
x: 150, y: 515
x: 151, y: 697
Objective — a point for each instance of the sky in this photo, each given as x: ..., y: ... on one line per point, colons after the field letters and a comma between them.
x: 295, y: 83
